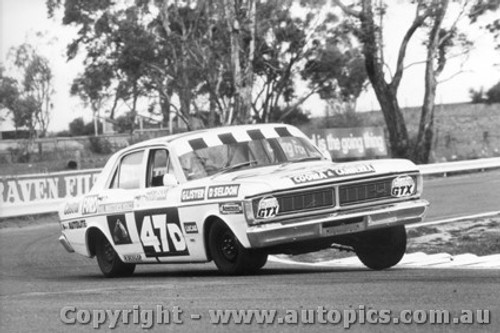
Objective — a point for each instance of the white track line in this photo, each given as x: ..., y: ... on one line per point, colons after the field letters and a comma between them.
x: 454, y: 219
x: 411, y: 260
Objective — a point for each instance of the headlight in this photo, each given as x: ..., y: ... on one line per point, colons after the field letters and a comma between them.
x: 261, y: 210
x: 247, y: 205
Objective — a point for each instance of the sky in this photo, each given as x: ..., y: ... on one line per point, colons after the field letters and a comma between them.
x: 20, y: 20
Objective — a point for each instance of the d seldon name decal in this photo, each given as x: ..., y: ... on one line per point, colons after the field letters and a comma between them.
x: 313, y: 176
x: 213, y: 192
x: 223, y: 191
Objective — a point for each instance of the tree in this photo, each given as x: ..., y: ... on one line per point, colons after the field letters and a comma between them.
x: 145, y: 49
x: 117, y: 45
x: 339, y: 76
x: 78, y: 127
x: 91, y: 87
x: 37, y: 83
x: 308, y: 47
x: 28, y: 98
x: 9, y: 90
x: 124, y: 124
x: 11, y: 99
x: 225, y: 61
x: 486, y: 6
x: 240, y: 16
x: 188, y: 39
x: 477, y: 96
x: 367, y: 18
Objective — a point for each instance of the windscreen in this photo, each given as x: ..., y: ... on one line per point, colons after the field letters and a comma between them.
x: 256, y: 153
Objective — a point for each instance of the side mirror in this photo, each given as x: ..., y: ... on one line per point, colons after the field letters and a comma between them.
x: 169, y: 180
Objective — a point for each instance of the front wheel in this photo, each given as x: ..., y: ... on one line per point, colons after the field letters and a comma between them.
x: 109, y: 262
x: 382, y: 248
x: 229, y: 255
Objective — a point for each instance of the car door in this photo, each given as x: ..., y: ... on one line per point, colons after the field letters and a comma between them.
x: 117, y: 204
x: 157, y: 216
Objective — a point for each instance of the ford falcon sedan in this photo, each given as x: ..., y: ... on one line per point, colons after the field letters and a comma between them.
x: 237, y: 194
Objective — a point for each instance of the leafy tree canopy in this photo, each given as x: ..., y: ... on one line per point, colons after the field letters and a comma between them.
x: 165, y: 50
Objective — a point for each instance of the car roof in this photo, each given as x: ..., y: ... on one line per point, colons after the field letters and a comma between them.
x: 171, y: 139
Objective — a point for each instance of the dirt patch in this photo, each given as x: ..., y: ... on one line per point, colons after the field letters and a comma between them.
x: 478, y: 236
x: 28, y: 220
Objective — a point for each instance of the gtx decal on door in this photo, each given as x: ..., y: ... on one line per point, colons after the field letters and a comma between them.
x: 160, y: 233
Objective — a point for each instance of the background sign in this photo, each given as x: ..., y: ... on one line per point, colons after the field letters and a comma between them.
x: 20, y: 195
x: 350, y: 143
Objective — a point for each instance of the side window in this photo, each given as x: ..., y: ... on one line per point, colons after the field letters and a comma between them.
x: 158, y: 165
x: 128, y: 175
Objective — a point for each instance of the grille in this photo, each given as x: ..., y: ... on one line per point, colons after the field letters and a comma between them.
x: 359, y: 193
x: 304, y: 201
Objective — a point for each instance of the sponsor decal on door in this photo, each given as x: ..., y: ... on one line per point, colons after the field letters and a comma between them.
x: 118, y: 229
x: 160, y: 233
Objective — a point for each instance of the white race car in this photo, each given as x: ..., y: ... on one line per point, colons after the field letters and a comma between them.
x: 236, y: 194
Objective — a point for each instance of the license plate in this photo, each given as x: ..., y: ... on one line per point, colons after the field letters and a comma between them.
x: 343, y: 229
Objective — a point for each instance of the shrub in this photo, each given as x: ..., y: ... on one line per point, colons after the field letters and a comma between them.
x: 100, y: 145
x: 494, y: 94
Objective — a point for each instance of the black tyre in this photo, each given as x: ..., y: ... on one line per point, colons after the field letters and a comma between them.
x: 109, y: 262
x: 382, y: 248
x: 229, y: 255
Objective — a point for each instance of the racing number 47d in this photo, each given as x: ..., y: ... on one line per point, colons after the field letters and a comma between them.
x: 160, y: 238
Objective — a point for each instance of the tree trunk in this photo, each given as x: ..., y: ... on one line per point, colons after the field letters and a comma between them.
x: 242, y: 80
x: 165, y: 108
x: 185, y: 93
x: 234, y: 31
x: 185, y: 103
x: 135, y: 96
x: 423, y: 146
x: 212, y: 112
x: 246, y: 93
x: 115, y: 103
x: 385, y: 92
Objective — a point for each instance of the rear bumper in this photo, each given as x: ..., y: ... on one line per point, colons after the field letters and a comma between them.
x: 64, y: 242
x: 337, y: 224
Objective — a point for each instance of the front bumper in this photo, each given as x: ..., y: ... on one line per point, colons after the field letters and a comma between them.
x: 340, y: 223
x: 64, y: 242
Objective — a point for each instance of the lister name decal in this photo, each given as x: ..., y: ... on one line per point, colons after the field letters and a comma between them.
x: 193, y: 194
x: 332, y: 173
x: 223, y: 191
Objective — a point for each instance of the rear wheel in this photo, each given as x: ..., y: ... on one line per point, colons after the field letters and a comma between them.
x: 229, y: 255
x: 109, y: 262
x: 382, y: 248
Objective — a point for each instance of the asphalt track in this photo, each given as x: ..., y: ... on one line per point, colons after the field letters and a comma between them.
x: 38, y: 279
